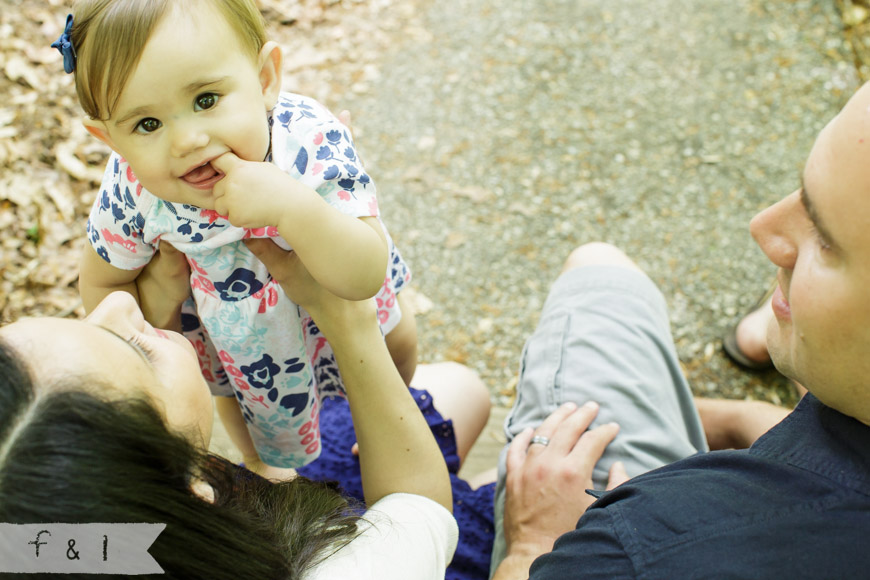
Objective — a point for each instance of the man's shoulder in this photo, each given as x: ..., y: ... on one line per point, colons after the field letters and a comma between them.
x: 733, y: 513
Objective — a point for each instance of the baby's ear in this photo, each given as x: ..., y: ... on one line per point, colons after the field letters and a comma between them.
x: 270, y: 60
x: 98, y: 129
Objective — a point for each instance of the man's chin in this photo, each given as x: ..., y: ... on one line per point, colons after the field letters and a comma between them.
x: 780, y: 353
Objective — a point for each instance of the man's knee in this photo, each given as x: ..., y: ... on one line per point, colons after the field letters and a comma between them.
x: 598, y: 254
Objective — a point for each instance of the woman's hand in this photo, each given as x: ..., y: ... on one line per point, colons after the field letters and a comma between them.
x: 333, y: 315
x: 163, y: 286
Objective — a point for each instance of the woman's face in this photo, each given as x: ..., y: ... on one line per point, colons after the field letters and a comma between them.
x: 115, y: 346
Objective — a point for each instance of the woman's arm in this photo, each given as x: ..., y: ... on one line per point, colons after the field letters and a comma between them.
x: 397, y: 450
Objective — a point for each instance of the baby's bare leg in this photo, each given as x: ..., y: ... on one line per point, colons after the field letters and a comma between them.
x: 402, y: 342
x: 459, y: 395
x: 231, y: 416
x: 232, y: 420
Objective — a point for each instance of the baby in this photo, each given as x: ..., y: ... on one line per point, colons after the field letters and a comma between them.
x: 209, y: 152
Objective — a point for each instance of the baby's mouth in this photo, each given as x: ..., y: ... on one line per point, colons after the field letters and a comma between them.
x: 200, y: 175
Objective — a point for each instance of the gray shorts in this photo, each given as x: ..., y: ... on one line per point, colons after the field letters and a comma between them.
x: 604, y: 336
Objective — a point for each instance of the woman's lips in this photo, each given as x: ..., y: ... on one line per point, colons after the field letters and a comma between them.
x: 172, y: 336
x: 780, y: 305
x: 203, y: 177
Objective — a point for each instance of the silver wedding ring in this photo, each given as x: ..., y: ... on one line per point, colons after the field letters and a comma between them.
x: 540, y: 440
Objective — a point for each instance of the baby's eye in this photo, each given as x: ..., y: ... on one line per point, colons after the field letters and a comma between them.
x: 205, y: 101
x: 148, y: 125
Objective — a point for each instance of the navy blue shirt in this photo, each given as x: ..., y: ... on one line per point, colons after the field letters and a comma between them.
x: 794, y: 505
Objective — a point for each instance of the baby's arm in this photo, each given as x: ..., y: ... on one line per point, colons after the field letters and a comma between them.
x: 346, y: 255
x: 98, y: 279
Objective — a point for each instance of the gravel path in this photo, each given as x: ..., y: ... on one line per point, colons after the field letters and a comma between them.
x: 503, y: 133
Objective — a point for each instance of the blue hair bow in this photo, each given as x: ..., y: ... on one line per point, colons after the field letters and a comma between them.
x: 65, y: 46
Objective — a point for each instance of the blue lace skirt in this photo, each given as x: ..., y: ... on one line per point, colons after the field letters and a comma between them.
x: 472, y: 508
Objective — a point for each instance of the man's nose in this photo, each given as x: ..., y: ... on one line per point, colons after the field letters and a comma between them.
x: 774, y: 231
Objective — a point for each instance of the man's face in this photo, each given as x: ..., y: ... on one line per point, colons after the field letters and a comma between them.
x: 194, y: 95
x: 819, y: 237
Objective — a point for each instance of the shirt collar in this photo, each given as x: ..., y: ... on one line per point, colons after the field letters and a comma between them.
x: 822, y: 440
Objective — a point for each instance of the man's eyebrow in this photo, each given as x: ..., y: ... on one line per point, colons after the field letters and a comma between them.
x: 813, y: 214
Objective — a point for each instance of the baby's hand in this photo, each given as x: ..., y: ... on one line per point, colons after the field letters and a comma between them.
x: 251, y: 194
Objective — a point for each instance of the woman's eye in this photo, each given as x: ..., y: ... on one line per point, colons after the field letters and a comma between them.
x: 146, y: 351
x: 205, y: 101
x: 148, y: 125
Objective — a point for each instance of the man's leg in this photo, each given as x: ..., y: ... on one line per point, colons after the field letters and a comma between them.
x: 604, y: 336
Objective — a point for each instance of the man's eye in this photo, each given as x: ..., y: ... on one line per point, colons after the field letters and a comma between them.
x: 148, y: 125
x: 823, y: 243
x: 205, y: 101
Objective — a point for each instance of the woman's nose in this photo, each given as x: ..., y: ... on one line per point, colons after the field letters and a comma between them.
x: 117, y: 311
x: 774, y: 231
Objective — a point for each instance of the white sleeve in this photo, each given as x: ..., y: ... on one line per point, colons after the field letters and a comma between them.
x: 311, y: 145
x: 404, y: 537
x: 116, y: 223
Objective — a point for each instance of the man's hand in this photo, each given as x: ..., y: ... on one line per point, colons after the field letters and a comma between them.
x: 545, y: 485
x: 251, y: 194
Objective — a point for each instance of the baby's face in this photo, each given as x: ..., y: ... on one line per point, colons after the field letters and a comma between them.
x: 195, y: 94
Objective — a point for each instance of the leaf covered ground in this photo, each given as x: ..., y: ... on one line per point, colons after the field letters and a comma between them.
x: 51, y: 166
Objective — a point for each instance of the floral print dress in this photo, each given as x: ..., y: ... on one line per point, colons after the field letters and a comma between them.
x: 253, y: 342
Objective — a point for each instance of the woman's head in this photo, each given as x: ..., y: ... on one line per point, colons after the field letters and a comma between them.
x: 73, y: 435
x: 115, y: 354
x: 81, y: 442
x: 110, y: 35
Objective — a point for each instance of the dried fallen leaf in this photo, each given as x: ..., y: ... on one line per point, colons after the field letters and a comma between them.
x: 7, y: 115
x: 418, y: 302
x: 455, y: 239
x: 64, y: 152
x: 474, y: 193
x: 855, y: 15
x: 17, y: 188
x: 18, y: 70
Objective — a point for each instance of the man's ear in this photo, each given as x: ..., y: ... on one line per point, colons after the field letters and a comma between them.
x: 98, y: 129
x: 270, y: 61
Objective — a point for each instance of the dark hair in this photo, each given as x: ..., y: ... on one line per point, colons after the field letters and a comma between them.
x: 69, y: 456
